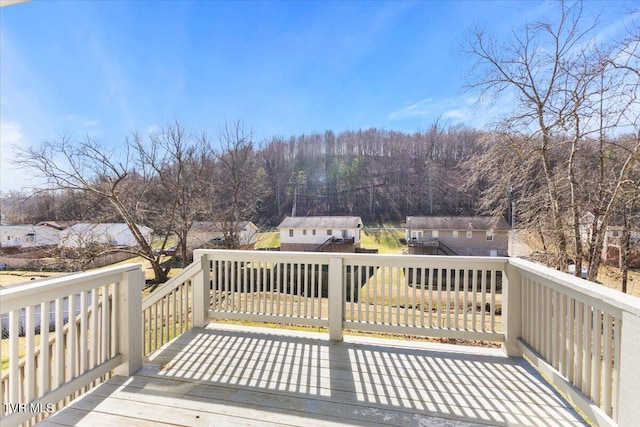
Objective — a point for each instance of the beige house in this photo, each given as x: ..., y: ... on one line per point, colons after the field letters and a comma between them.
x: 321, y: 233
x: 209, y: 234
x: 457, y: 235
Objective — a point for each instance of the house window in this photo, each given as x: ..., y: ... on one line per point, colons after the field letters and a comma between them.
x: 489, y: 235
x: 469, y: 234
x: 329, y: 232
x: 313, y: 232
x: 455, y: 234
x: 31, y: 237
x: 434, y: 234
x: 290, y: 233
x: 304, y: 232
x: 344, y: 234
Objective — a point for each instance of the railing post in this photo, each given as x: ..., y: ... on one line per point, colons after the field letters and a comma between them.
x: 130, y: 322
x: 512, y: 310
x: 336, y: 298
x: 628, y: 410
x: 201, y: 291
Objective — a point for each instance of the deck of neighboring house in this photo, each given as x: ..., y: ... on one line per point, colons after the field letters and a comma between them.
x: 225, y: 375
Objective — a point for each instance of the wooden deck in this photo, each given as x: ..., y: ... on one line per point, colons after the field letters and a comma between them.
x: 227, y: 375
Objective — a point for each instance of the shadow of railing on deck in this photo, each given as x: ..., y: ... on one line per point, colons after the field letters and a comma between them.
x: 330, y: 381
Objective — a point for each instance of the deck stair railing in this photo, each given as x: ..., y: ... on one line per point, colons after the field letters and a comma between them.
x: 64, y: 336
x: 167, y: 312
x: 432, y: 243
x: 324, y: 247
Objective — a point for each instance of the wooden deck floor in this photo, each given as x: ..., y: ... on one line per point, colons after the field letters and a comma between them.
x: 225, y: 375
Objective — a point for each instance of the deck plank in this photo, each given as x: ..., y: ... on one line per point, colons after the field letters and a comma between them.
x: 227, y: 375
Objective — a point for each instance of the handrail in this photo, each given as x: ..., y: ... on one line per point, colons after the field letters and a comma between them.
x: 420, y: 295
x: 446, y: 249
x: 96, y: 333
x: 326, y: 244
x: 167, y: 287
x: 582, y: 336
x: 594, y: 293
x: 47, y: 290
x: 168, y: 311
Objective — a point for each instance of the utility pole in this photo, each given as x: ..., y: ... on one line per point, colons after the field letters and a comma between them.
x: 295, y: 200
x: 430, y: 191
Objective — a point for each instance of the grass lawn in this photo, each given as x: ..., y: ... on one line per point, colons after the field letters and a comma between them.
x: 268, y: 240
x: 387, y: 241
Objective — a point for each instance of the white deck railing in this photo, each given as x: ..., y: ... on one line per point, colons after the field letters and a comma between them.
x: 73, y: 331
x: 433, y: 296
x: 584, y: 337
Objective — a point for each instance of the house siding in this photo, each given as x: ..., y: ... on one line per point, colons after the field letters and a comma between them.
x: 320, y: 237
x: 294, y: 238
x: 426, y: 241
x: 477, y: 245
x: 28, y: 236
x: 331, y: 247
x: 202, y: 233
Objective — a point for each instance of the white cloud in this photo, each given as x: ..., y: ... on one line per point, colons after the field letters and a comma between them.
x: 153, y: 129
x: 422, y: 108
x: 465, y: 109
x: 457, y: 113
x: 458, y: 109
x: 12, y: 137
x: 77, y: 120
x: 11, y: 134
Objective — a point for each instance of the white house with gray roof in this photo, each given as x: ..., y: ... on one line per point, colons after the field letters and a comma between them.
x: 27, y: 236
x: 321, y: 233
x: 113, y: 234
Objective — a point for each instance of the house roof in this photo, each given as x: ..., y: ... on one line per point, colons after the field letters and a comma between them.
x: 213, y: 226
x: 58, y: 225
x: 45, y: 235
x: 467, y: 223
x: 339, y: 222
x: 101, y: 228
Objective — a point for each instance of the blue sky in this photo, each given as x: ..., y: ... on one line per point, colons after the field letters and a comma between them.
x: 107, y: 68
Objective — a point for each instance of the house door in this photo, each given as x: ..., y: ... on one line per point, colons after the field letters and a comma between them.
x: 416, y: 235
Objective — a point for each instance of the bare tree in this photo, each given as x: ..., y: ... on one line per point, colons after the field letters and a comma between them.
x: 159, y: 184
x: 240, y: 181
x: 181, y: 164
x: 568, y: 97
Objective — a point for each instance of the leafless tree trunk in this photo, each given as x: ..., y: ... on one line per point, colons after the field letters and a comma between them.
x: 182, y: 164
